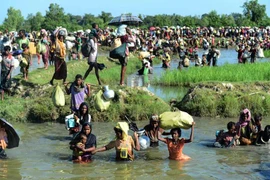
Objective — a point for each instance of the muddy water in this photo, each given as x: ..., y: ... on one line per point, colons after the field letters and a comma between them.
x: 44, y: 154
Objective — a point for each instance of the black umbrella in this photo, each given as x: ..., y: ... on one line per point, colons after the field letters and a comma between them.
x: 12, y: 136
x: 125, y: 19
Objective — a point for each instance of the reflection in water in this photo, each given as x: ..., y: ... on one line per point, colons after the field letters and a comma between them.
x: 44, y: 151
x: 44, y: 154
x: 10, y: 169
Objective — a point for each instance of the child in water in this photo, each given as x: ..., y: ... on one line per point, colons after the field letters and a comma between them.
x: 227, y: 139
x: 176, y: 145
x: 78, y: 151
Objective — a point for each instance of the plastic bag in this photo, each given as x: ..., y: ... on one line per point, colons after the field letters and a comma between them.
x: 23, y: 62
x: 41, y: 48
x: 144, y: 54
x: 119, y: 52
x: 178, y: 119
x: 144, y: 142
x: 100, y: 103
x: 58, y: 96
x: 16, y: 63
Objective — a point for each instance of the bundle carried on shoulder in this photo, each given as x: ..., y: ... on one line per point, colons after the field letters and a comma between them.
x: 23, y: 62
x: 178, y: 119
x: 58, y: 96
x: 41, y: 48
x: 119, y: 52
x: 144, y: 54
x: 100, y: 103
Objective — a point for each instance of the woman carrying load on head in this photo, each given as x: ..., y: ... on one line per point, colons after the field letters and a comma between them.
x: 123, y: 143
x: 59, y: 57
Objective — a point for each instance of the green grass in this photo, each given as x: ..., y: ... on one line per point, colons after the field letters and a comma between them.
x: 38, y: 107
x: 111, y: 75
x: 228, y: 72
x: 267, y: 53
x: 206, y: 101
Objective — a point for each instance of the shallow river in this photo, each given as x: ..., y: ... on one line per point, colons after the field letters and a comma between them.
x: 44, y: 153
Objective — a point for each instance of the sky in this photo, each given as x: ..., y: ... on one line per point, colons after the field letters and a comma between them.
x: 136, y: 7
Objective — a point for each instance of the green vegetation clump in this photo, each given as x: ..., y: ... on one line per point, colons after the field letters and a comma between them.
x: 34, y: 103
x: 221, y: 100
x: 267, y: 53
x: 135, y: 103
x: 226, y: 73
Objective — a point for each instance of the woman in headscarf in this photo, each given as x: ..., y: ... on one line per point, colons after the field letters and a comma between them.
x: 90, y: 145
x: 123, y: 143
x: 59, y: 57
x: 81, y: 117
x: 244, y: 127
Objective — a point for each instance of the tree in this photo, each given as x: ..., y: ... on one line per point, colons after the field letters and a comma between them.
x: 55, y: 17
x: 106, y: 17
x: 204, y: 21
x: 213, y: 19
x: 33, y: 22
x: 14, y: 21
x: 73, y: 22
x: 189, y: 21
x: 227, y: 20
x: 254, y: 11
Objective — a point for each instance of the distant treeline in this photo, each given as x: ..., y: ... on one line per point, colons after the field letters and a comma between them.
x: 253, y: 14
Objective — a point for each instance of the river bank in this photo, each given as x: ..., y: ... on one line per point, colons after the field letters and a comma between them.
x: 31, y: 100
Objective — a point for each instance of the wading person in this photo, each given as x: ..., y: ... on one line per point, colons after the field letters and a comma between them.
x: 123, y: 143
x: 176, y: 145
x: 152, y: 130
x: 89, y: 146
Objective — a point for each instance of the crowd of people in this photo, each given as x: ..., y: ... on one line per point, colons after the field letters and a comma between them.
x: 53, y: 48
x: 246, y: 131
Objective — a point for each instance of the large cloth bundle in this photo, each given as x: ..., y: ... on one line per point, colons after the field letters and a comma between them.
x: 100, y: 103
x: 32, y: 48
x: 121, y: 30
x: 178, y: 119
x: 144, y: 54
x: 58, y: 96
x: 119, y: 52
x: 41, y: 48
